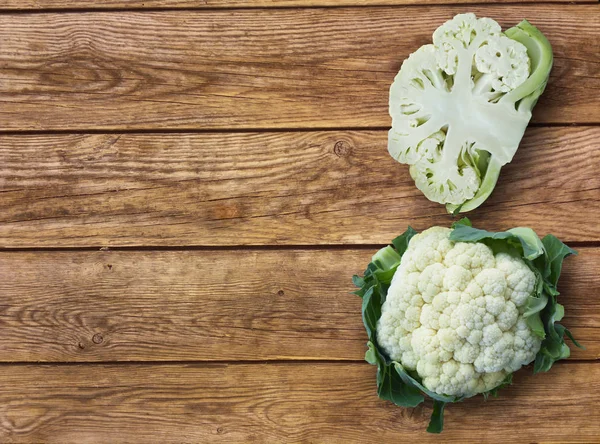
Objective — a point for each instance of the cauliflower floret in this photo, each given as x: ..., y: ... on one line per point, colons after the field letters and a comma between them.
x: 430, y: 239
x: 491, y: 335
x: 467, y: 353
x: 505, y: 65
x: 459, y: 34
x: 434, y: 179
x: 520, y: 279
x: 462, y: 331
x: 475, y: 257
x: 508, y: 317
x: 440, y: 302
x: 431, y: 281
x: 457, y: 278
x: 492, y: 281
x: 454, y: 117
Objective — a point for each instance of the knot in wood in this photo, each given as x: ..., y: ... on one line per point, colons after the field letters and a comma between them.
x: 342, y: 148
x: 97, y: 338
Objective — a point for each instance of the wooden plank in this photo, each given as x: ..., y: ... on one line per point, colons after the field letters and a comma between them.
x: 290, y: 68
x: 278, y: 403
x: 270, y: 188
x: 213, y: 305
x: 41, y: 5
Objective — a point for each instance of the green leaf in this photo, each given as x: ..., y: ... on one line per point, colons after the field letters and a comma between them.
x: 543, y: 362
x: 570, y: 335
x: 529, y: 243
x: 401, y: 242
x: 436, y: 423
x: 550, y: 289
x: 535, y: 305
x: 358, y: 281
x: 389, y: 385
x: 371, y: 354
x: 565, y: 351
x: 393, y: 389
x: 385, y: 276
x: 463, y: 221
x: 536, y: 325
x: 553, y: 347
x: 371, y: 311
x: 386, y: 259
x: 532, y: 314
x: 556, y: 252
x: 559, y: 312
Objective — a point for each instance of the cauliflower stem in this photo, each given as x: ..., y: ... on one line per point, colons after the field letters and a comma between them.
x: 451, y: 313
x: 525, y: 97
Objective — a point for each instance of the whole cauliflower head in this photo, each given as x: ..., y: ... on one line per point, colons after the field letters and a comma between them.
x: 460, y: 106
x: 454, y: 314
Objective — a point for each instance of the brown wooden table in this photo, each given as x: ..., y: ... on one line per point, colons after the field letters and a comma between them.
x: 187, y: 186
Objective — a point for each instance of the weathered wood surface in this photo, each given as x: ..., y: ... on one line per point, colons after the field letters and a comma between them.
x: 73, y: 82
x: 40, y: 5
x: 334, y: 187
x: 278, y: 403
x: 213, y: 305
x: 289, y: 68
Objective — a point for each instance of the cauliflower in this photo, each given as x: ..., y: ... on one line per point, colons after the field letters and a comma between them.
x: 456, y: 316
x: 460, y: 106
x: 451, y: 313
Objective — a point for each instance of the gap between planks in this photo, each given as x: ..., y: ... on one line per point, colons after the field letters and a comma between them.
x: 201, y: 363
x: 215, y: 248
x: 324, y: 247
x: 150, y: 131
x: 348, y: 4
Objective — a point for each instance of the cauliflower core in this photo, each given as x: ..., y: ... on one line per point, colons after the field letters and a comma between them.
x: 454, y: 313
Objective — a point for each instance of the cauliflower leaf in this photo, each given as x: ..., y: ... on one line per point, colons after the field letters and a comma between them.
x: 460, y: 106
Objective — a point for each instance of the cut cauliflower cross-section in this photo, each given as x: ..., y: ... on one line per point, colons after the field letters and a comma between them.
x: 460, y: 106
x: 454, y: 314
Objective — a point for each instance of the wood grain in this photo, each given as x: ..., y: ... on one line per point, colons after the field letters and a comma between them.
x: 291, y: 68
x: 278, y: 403
x: 37, y: 5
x: 213, y: 305
x: 337, y: 187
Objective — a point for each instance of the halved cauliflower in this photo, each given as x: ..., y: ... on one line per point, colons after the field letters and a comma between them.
x: 460, y: 106
x: 454, y: 313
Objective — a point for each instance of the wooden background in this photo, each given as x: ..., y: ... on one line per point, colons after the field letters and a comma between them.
x: 187, y: 186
